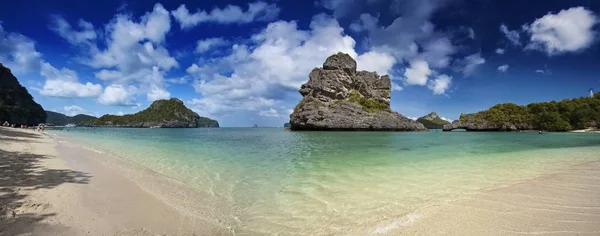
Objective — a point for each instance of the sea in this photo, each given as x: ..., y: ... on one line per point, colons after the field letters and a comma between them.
x: 309, y: 183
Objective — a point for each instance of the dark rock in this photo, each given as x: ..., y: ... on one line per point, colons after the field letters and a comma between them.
x: 337, y: 97
x: 16, y: 104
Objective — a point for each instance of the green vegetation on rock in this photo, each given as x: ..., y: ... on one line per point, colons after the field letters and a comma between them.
x: 432, y: 121
x: 368, y: 104
x: 162, y: 113
x: 62, y: 119
x: 16, y: 104
x: 568, y: 114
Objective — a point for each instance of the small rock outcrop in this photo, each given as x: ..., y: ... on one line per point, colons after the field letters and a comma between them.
x: 16, y: 104
x: 170, y: 113
x: 337, y: 97
x: 432, y: 121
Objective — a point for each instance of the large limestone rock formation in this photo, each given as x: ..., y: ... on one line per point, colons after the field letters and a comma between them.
x: 337, y: 97
x: 16, y: 104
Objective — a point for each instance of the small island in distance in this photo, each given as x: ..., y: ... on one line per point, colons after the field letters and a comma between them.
x: 432, y: 121
x: 171, y: 113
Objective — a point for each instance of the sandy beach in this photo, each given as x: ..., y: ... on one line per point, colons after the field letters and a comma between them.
x: 48, y: 187
x: 53, y: 186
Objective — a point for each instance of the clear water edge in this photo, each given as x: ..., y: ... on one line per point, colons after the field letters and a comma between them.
x: 333, y: 182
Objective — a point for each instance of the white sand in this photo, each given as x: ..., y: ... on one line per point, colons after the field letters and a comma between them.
x: 77, y: 194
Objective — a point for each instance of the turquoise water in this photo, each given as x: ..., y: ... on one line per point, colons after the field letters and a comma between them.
x: 310, y: 183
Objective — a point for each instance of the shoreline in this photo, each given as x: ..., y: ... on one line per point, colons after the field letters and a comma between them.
x: 107, y: 195
x: 88, y: 193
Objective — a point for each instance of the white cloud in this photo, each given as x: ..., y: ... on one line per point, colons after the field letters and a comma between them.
x: 270, y: 113
x: 540, y: 71
x: 499, y: 51
x: 446, y: 119
x: 375, y: 61
x: 418, y: 73
x: 132, y: 54
x: 569, y: 30
x: 157, y: 93
x: 18, y: 52
x: 255, y: 78
x: 65, y: 83
x: 440, y: 84
x: 503, y: 68
x: 76, y: 110
x: 85, y: 36
x: 410, y: 36
x: 256, y: 11
x: 118, y: 95
x: 396, y: 87
x: 412, y: 118
x: 205, y: 45
x: 470, y: 63
x: 512, y: 35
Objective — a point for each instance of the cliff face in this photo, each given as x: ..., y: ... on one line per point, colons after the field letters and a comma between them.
x: 337, y: 97
x: 170, y: 113
x: 16, y: 104
x: 432, y: 121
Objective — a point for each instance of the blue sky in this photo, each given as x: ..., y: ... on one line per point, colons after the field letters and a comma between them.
x: 243, y: 62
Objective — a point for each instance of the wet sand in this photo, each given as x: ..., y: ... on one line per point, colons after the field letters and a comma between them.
x: 52, y: 186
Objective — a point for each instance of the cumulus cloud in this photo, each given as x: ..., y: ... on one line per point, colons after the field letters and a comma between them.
x: 470, y: 63
x: 410, y: 36
x: 569, y: 30
x: 512, y: 35
x: 418, y: 73
x: 18, y: 52
x: 132, y: 53
x: 375, y: 61
x: 255, y: 78
x: 205, y: 45
x: 440, y: 84
x: 256, y: 11
x: 118, y: 95
x: 65, y: 83
x: 499, y: 51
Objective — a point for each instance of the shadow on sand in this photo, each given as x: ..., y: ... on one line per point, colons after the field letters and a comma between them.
x: 20, y: 173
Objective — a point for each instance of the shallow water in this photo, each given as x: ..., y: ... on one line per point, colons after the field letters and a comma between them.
x: 337, y: 182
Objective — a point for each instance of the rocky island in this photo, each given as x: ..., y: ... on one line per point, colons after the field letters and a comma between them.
x: 337, y: 97
x: 62, y: 119
x: 432, y: 121
x: 16, y: 104
x: 170, y: 113
x: 565, y: 115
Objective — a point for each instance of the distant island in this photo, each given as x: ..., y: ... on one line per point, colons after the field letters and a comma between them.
x: 337, y: 97
x: 170, y: 113
x: 16, y: 104
x: 432, y: 121
x: 566, y: 115
x: 56, y: 118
